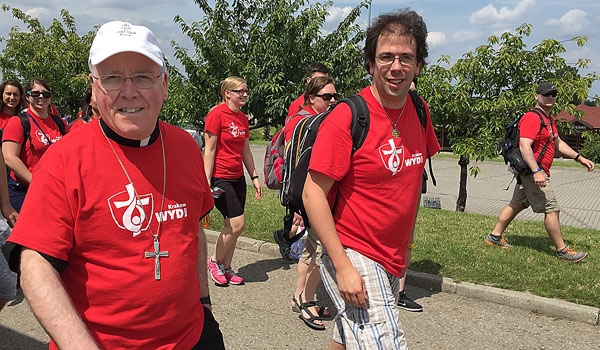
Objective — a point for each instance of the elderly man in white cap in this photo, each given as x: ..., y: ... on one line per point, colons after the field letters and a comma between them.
x: 538, y: 143
x: 118, y: 260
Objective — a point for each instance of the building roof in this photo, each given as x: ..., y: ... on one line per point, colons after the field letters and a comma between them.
x: 591, y: 118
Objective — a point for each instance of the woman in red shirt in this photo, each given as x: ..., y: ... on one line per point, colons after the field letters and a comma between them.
x: 319, y: 96
x: 21, y: 155
x: 226, y: 151
x: 12, y: 101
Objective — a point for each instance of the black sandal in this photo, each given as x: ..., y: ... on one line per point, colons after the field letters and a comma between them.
x: 310, y: 321
x: 323, y: 310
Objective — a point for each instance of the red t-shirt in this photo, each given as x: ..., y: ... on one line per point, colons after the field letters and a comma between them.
x: 4, y: 119
x: 39, y: 139
x: 89, y: 220
x: 232, y: 130
x: 529, y: 127
x: 296, y: 105
x: 290, y: 125
x: 379, y: 186
x: 77, y: 124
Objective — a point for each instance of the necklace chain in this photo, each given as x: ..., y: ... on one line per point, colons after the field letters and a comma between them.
x: 395, y: 131
x: 137, y: 196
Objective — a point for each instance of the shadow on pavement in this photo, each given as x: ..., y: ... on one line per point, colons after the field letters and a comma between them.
x: 258, y: 271
x: 16, y: 341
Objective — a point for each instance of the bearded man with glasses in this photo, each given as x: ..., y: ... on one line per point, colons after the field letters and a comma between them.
x: 535, y: 189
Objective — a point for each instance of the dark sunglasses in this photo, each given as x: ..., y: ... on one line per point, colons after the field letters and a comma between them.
x: 551, y: 93
x: 328, y: 97
x: 37, y: 94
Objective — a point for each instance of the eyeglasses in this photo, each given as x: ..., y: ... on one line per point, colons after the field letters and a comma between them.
x: 387, y: 58
x: 328, y: 97
x: 115, y: 82
x: 551, y: 93
x: 241, y: 92
x: 37, y: 94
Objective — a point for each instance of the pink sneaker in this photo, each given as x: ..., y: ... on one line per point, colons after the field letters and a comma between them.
x: 232, y: 277
x: 217, y: 272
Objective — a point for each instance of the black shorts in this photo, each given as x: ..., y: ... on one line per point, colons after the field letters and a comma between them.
x: 211, y: 337
x: 232, y: 202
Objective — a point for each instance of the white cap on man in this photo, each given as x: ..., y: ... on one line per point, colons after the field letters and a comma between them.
x: 117, y: 37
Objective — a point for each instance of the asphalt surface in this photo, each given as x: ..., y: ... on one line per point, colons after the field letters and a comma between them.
x: 258, y: 315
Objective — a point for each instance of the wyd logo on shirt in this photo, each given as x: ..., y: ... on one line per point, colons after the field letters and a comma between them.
x: 129, y: 212
x: 235, y: 130
x: 43, y: 139
x: 392, y: 156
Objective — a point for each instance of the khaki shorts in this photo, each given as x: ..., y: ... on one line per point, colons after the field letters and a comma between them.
x: 312, y: 250
x: 541, y: 199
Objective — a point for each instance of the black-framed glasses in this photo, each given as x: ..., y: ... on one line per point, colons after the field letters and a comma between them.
x: 328, y: 96
x: 241, y: 92
x: 37, y: 94
x: 551, y: 93
x: 140, y: 81
x: 387, y: 58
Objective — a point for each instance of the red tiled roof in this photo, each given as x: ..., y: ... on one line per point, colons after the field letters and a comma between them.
x: 591, y: 119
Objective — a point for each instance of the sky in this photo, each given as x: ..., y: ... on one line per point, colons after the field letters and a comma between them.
x: 455, y: 27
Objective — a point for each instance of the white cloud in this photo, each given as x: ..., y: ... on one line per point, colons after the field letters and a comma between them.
x: 574, y: 21
x: 465, y: 35
x: 491, y: 16
x: 334, y: 17
x: 436, y: 39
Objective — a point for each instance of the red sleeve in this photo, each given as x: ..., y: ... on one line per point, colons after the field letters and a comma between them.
x: 212, y: 122
x: 529, y: 126
x: 13, y: 131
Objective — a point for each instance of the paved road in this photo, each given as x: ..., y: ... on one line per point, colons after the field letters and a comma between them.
x: 258, y: 315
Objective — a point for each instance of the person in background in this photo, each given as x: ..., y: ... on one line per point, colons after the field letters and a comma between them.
x: 315, y: 69
x: 89, y: 111
x: 21, y: 155
x: 319, y: 95
x: 404, y: 302
x: 226, y: 151
x: 535, y: 189
x: 12, y: 102
x: 114, y: 263
x: 367, y: 239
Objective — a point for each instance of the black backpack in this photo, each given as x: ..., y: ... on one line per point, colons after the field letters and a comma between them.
x: 509, y: 146
x: 299, y: 150
x: 26, y: 124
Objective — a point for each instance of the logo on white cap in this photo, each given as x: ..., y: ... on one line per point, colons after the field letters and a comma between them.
x: 117, y: 37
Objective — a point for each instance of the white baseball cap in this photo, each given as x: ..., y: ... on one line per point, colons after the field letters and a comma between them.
x: 117, y: 37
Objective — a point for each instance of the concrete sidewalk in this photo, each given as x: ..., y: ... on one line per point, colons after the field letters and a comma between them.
x: 258, y: 315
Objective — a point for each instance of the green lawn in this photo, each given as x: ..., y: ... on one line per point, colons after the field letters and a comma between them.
x: 450, y: 244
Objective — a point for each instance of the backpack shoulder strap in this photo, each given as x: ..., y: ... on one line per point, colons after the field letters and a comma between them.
x: 59, y: 123
x: 420, y: 107
x: 360, y: 120
x: 26, y: 125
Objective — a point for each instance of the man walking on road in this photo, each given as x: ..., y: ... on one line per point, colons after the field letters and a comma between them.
x: 535, y: 189
x: 368, y: 237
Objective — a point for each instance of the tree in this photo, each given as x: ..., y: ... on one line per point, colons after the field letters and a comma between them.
x: 475, y: 98
x: 269, y: 43
x: 56, y: 54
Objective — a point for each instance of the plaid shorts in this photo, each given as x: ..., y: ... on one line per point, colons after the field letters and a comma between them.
x: 376, y: 327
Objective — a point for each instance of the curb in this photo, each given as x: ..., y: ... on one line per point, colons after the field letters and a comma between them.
x: 545, y: 306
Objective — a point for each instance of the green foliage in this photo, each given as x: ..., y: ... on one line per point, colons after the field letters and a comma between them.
x: 56, y: 53
x: 487, y: 88
x: 591, y: 146
x: 269, y: 43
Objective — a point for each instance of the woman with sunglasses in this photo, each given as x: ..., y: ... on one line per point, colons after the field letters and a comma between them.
x: 22, y: 155
x: 319, y: 96
x: 226, y: 151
